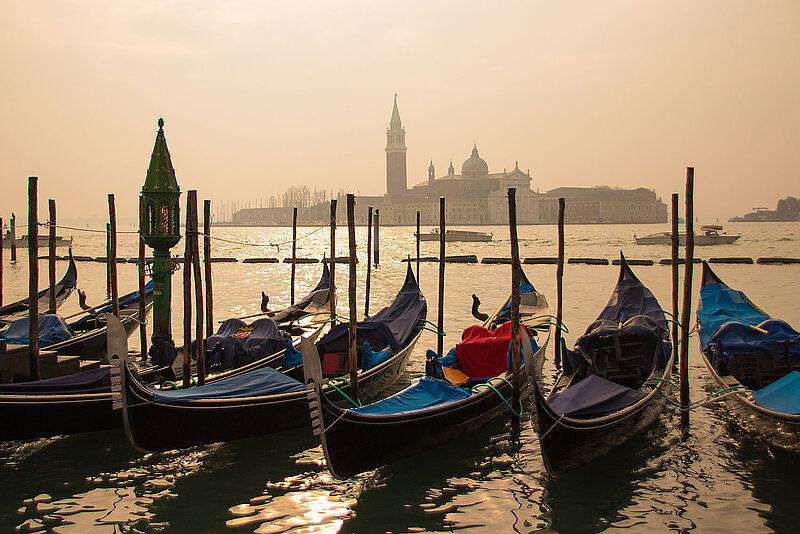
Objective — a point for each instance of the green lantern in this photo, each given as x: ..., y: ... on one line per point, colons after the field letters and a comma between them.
x: 159, y: 226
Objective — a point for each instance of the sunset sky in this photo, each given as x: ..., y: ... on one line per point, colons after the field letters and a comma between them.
x: 260, y: 95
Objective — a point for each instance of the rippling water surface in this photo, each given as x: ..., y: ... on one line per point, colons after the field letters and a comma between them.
x: 719, y: 479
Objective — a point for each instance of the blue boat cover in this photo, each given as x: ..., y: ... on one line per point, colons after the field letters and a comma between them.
x: 720, y: 304
x: 93, y: 380
x: 781, y: 396
x: 594, y: 395
x: 734, y: 338
x: 52, y: 329
x: 392, y: 327
x: 631, y: 310
x: 422, y: 393
x: 126, y: 300
x: 242, y: 343
x: 373, y: 359
x: 256, y: 383
x: 291, y: 356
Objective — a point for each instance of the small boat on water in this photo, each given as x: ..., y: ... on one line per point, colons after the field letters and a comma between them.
x: 611, y: 383
x: 44, y: 241
x: 753, y: 358
x: 63, y: 290
x: 263, y: 401
x: 711, y: 236
x: 456, y: 235
x: 460, y: 393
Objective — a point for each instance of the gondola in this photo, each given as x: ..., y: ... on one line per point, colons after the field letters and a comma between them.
x: 611, y: 383
x: 63, y: 289
x: 432, y: 409
x: 82, y: 402
x: 266, y: 400
x: 753, y: 358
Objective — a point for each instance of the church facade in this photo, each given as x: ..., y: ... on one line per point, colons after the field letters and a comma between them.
x: 473, y: 196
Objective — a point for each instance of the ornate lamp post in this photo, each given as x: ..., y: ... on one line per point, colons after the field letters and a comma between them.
x: 159, y: 226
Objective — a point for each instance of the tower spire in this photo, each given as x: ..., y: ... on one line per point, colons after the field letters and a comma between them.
x: 396, y: 181
x: 395, y: 123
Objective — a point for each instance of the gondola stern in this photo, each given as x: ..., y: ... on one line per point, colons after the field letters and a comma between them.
x: 709, y: 276
x: 625, y: 271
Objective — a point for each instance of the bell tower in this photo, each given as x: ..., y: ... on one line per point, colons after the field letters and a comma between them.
x: 396, y: 181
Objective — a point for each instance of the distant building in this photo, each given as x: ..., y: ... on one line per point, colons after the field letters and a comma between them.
x: 788, y: 210
x: 473, y: 197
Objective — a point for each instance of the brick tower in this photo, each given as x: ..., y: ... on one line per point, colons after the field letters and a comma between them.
x: 395, y: 155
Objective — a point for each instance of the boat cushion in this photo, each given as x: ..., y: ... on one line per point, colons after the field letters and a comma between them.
x: 89, y: 381
x: 421, y: 393
x: 52, y: 329
x: 255, y: 383
x: 485, y: 353
x: 781, y: 396
x: 594, y: 395
x: 720, y: 304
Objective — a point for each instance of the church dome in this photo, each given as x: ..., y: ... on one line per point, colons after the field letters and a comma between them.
x: 474, y: 165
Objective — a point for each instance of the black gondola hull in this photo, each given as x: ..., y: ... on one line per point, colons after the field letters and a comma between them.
x: 32, y: 417
x: 356, y: 443
x: 567, y: 443
x: 156, y: 426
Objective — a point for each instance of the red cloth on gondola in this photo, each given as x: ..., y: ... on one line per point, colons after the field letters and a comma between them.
x: 483, y: 353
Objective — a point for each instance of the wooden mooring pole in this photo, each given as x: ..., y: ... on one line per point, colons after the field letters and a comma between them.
x: 33, y: 279
x: 559, y: 280
x: 440, y: 322
x: 142, y: 301
x: 187, y: 296
x: 515, y: 281
x: 418, y: 240
x: 13, y: 231
x: 207, y: 266
x: 199, y: 348
x: 112, y: 255
x: 377, y: 237
x: 675, y: 276
x: 108, y: 264
x: 294, y: 250
x: 351, y: 331
x: 687, y: 300
x: 332, y: 264
x: 369, y: 261
x: 51, y: 258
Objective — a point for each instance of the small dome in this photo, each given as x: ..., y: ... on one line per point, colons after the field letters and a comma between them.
x: 474, y: 165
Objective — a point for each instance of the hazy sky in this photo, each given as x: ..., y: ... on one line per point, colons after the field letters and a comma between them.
x: 259, y: 95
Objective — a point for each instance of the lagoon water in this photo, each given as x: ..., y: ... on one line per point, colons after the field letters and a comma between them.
x: 720, y: 479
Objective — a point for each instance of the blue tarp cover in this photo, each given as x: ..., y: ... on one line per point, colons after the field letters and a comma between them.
x: 81, y: 382
x: 243, y: 343
x: 720, y: 304
x: 256, y: 383
x: 781, y: 396
x: 505, y: 312
x: 373, y: 359
x: 392, y: 327
x: 594, y: 395
x: 52, y: 330
x: 421, y: 393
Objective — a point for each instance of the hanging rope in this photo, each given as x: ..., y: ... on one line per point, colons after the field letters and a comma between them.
x: 92, y: 230
x: 490, y: 386
x: 341, y: 380
x: 717, y: 395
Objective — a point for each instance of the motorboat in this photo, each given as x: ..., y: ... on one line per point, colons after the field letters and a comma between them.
x: 711, y: 235
x: 456, y: 235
